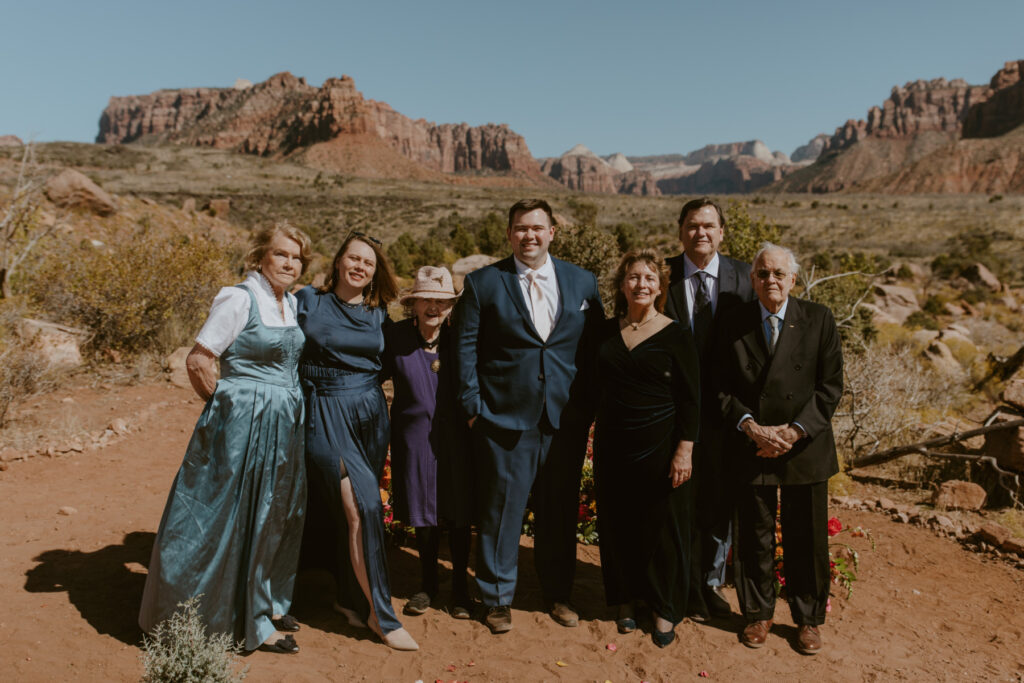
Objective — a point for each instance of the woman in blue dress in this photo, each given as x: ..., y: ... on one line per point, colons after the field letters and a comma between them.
x: 430, y: 475
x: 347, y: 431
x: 231, y: 529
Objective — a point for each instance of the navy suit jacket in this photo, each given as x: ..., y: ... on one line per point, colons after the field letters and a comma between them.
x: 801, y: 382
x: 507, y: 374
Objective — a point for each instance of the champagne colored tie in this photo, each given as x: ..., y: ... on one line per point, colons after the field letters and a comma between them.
x: 539, y: 303
x: 775, y: 323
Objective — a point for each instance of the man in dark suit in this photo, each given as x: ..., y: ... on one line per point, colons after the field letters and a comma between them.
x: 703, y: 286
x: 782, y: 378
x: 522, y: 326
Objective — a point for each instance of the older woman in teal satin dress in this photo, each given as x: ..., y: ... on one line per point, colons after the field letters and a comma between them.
x: 232, y: 527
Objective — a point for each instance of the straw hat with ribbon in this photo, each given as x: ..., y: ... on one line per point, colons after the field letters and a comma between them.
x: 432, y: 282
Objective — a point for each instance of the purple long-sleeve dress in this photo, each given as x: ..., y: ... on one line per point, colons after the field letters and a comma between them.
x: 429, y: 462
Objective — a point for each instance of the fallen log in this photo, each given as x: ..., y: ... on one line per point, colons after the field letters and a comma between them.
x: 924, y: 447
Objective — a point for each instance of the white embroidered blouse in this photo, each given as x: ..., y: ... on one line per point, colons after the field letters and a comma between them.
x: 230, y: 311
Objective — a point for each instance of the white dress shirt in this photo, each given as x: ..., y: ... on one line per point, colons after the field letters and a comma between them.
x: 693, y: 282
x: 230, y: 312
x: 549, y: 286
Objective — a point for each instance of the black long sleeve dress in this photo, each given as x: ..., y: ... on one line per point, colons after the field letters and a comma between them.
x: 649, y: 402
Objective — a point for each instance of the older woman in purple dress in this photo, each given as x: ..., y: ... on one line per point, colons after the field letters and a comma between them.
x: 429, y: 462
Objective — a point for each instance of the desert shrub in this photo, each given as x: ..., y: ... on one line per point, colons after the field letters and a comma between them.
x: 180, y: 651
x: 970, y: 247
x: 922, y: 320
x: 935, y: 305
x: 22, y: 371
x: 146, y: 293
x: 888, y: 391
x: 745, y: 234
x: 592, y: 248
x: 583, y: 212
x: 491, y: 237
x: 627, y: 236
x: 842, y: 282
x: 403, y: 253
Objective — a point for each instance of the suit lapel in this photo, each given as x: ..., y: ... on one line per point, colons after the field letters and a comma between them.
x: 728, y: 280
x: 566, y: 292
x: 791, y: 332
x: 510, y: 278
x: 754, y: 338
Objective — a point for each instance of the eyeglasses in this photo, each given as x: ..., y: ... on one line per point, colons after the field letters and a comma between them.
x: 763, y: 274
x: 363, y: 235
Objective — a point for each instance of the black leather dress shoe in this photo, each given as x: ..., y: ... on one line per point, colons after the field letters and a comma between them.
x: 499, y: 619
x: 663, y: 639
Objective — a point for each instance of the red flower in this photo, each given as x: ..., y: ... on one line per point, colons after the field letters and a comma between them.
x: 834, y: 526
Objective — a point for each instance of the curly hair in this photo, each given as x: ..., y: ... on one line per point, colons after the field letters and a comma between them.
x: 261, y: 243
x: 655, y: 263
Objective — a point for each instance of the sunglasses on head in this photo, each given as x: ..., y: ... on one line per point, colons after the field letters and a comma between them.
x: 763, y: 274
x: 363, y: 235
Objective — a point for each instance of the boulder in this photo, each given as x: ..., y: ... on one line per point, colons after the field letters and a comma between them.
x: 878, y: 316
x: 71, y: 189
x: 950, y: 334
x: 10, y: 141
x: 1013, y: 393
x: 941, y: 358
x: 1014, y: 545
x: 1006, y: 445
x: 896, y: 301
x: 467, y: 264
x: 175, y: 364
x: 959, y: 495
x: 57, y: 344
x: 979, y: 275
x: 924, y: 337
x: 994, y: 534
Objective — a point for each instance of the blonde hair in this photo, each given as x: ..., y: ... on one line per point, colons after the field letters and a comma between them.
x: 262, y: 239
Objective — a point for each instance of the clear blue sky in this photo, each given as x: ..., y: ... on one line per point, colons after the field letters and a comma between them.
x: 638, y: 78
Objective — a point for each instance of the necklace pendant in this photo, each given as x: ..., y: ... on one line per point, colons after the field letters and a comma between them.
x: 636, y: 326
x: 435, y: 365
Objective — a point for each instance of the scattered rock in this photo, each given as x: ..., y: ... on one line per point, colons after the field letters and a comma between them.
x: 943, y: 522
x: 67, y: 511
x: 901, y: 517
x: 69, y: 188
x: 980, y: 275
x: 1014, y: 545
x: 959, y: 495
x: 952, y: 335
x: 942, y: 359
x: 993, y: 534
x: 886, y: 504
x: 467, y: 264
x: 1010, y: 302
x: 175, y: 364
x: 57, y: 344
x: 189, y: 205
x: 896, y: 301
x: 119, y: 426
x: 953, y: 308
x: 1013, y: 393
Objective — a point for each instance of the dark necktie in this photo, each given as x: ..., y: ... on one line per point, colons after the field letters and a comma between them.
x: 702, y: 311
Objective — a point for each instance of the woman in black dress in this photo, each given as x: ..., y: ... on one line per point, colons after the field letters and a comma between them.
x: 647, y: 421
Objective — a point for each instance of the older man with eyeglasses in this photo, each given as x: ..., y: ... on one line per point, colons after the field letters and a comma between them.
x: 782, y: 377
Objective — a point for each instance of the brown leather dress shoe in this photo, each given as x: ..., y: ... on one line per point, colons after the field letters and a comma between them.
x: 808, y: 640
x: 564, y: 615
x: 499, y: 619
x: 756, y: 633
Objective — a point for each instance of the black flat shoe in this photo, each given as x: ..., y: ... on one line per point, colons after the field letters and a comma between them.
x: 286, y: 623
x: 282, y: 646
x: 663, y: 639
x: 626, y: 624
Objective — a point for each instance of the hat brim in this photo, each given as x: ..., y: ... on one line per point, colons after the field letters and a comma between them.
x: 442, y: 296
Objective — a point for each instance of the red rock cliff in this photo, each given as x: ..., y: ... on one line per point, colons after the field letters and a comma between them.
x: 284, y: 114
x: 1004, y: 109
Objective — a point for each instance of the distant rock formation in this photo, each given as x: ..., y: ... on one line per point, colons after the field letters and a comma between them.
x: 10, y: 141
x: 285, y: 114
x: 1004, y: 109
x: 811, y: 151
x: 928, y: 136
x: 733, y: 167
x: 581, y: 169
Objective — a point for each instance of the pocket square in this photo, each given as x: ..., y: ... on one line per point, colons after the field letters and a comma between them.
x: 585, y: 306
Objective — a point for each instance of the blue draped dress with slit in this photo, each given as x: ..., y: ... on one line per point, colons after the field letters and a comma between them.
x: 232, y: 526
x: 347, y: 429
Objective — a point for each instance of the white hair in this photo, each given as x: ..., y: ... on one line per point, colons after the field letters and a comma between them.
x: 794, y: 267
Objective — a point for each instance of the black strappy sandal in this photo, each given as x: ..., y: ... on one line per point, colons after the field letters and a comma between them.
x: 282, y: 646
x: 286, y: 623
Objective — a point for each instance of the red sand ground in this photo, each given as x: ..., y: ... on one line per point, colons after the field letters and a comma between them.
x: 923, y: 609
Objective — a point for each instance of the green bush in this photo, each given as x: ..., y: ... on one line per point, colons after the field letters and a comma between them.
x: 180, y: 651
x: 149, y: 292
x: 627, y: 236
x: 922, y: 320
x: 745, y: 234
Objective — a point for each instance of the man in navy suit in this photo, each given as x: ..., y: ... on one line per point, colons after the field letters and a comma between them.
x: 522, y: 326
x: 703, y: 286
x: 781, y: 363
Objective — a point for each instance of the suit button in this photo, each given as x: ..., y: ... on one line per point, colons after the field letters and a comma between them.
x: 796, y: 367
x: 764, y: 396
x: 789, y: 397
x: 541, y: 377
x: 749, y: 366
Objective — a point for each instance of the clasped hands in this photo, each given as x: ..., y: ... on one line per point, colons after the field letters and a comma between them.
x: 771, y: 441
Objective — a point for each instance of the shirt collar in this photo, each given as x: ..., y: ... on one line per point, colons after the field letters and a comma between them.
x: 546, y: 270
x: 259, y: 280
x: 782, y: 311
x: 690, y: 269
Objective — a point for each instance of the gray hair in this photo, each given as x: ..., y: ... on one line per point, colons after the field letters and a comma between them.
x: 794, y: 267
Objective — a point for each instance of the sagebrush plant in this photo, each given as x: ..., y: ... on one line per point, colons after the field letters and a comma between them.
x: 180, y: 650
x: 131, y: 293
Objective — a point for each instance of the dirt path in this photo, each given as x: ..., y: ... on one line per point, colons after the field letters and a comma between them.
x: 923, y: 609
